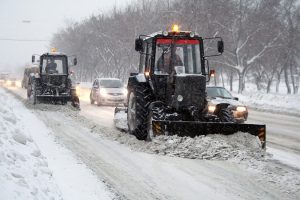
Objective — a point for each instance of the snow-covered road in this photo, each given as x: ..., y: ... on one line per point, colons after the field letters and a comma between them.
x: 134, y: 174
x: 282, y: 130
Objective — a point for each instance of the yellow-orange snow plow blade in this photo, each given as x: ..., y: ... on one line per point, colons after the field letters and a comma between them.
x: 196, y: 128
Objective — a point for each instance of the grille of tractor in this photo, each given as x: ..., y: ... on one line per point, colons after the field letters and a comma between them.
x: 192, y: 89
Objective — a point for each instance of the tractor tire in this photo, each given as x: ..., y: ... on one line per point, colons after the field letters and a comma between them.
x: 139, y: 100
x: 226, y: 115
x: 31, y: 92
x: 75, y: 102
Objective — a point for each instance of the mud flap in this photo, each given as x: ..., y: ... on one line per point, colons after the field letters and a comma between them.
x: 196, y: 128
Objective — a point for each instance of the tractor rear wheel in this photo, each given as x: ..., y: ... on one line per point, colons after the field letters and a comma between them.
x: 31, y: 92
x: 139, y: 100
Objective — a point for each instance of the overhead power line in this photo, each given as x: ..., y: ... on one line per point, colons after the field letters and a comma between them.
x: 23, y: 40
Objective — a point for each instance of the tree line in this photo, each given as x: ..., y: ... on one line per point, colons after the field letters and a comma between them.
x: 261, y: 38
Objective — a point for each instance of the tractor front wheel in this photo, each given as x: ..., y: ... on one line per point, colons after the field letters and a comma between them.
x: 137, y: 115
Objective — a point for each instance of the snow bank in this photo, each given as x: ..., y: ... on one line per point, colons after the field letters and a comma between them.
x: 24, y: 172
x: 120, y: 120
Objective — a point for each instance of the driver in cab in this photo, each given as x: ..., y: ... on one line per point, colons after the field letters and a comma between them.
x: 165, y: 60
x: 51, y: 67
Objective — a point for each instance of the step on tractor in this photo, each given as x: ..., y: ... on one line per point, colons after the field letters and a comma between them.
x: 52, y: 84
x: 168, y: 94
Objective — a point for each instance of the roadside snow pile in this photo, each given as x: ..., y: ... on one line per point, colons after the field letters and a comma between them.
x: 24, y: 172
x: 120, y: 120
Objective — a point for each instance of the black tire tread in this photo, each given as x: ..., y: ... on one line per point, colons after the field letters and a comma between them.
x: 143, y: 96
x: 226, y: 115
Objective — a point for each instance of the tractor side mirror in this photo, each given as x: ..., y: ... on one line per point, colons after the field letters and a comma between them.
x: 220, y: 46
x: 139, y: 44
x: 236, y: 98
x: 33, y: 59
x: 75, y: 61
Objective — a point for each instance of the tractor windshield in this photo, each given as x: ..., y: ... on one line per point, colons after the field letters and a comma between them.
x: 181, y: 56
x: 54, y: 65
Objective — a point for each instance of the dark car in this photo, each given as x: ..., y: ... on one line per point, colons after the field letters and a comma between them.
x: 217, y: 95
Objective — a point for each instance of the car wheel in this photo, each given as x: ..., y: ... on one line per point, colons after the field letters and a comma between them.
x: 99, y: 101
x: 91, y: 99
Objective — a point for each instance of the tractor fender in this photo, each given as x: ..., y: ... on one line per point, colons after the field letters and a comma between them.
x: 134, y: 80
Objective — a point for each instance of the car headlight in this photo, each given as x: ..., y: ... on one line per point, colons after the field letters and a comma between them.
x: 8, y: 82
x: 211, y: 108
x: 103, y: 92
x: 241, y: 109
x: 125, y: 92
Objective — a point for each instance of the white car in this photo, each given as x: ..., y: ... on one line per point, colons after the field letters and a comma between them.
x: 108, y: 91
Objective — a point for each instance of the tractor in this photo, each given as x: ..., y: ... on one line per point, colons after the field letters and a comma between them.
x: 168, y: 94
x: 52, y: 84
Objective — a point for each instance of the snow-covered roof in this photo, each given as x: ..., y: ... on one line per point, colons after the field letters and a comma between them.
x: 54, y: 53
x: 169, y: 32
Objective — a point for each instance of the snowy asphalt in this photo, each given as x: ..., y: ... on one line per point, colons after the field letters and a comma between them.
x: 134, y: 174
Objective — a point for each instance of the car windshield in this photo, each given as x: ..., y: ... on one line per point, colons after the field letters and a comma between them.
x: 54, y: 65
x: 218, y: 92
x: 111, y: 83
x: 182, y: 55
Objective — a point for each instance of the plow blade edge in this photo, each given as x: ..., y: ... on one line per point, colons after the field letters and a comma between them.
x: 196, y: 128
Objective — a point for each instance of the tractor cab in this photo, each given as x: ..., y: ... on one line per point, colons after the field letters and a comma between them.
x: 175, y: 65
x: 53, y: 83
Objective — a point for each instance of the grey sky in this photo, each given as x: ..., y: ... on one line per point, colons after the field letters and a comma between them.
x: 45, y: 18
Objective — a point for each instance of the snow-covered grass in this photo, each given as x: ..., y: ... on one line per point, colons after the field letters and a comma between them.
x: 34, y: 166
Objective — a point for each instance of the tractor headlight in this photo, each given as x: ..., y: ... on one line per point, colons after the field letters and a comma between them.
x: 180, y: 98
x: 8, y: 82
x: 211, y: 108
x: 241, y: 109
x: 103, y: 92
x: 165, y: 33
